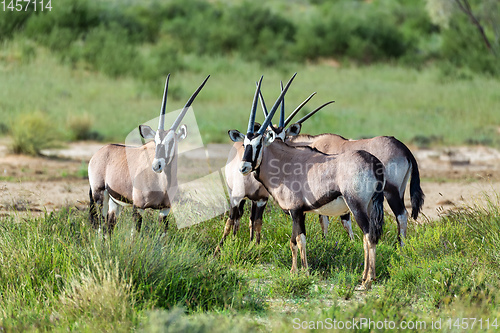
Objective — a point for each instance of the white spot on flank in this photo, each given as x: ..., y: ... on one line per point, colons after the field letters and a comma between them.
x: 118, y: 202
x: 336, y: 207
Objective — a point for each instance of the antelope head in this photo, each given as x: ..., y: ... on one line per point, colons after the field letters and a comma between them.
x: 166, y: 141
x: 254, y: 142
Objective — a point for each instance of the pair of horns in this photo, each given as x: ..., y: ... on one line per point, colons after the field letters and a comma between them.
x: 190, y: 101
x: 283, y: 123
x: 271, y: 113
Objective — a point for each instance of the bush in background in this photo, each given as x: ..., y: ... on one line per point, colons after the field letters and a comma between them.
x: 32, y: 132
x: 80, y: 127
x: 358, y: 31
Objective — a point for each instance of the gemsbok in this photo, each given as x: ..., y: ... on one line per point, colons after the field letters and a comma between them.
x: 242, y: 187
x: 398, y: 160
x: 144, y: 177
x: 303, y: 179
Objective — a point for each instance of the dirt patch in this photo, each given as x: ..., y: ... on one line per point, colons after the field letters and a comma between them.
x: 451, y: 177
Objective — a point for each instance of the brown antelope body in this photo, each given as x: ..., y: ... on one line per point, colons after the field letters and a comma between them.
x: 303, y: 179
x: 144, y: 177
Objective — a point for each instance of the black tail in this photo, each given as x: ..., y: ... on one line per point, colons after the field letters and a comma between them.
x: 377, y: 214
x: 93, y: 216
x: 416, y: 194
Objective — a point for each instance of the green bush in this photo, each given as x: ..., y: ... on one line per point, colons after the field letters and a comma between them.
x: 463, y: 46
x: 108, y: 49
x: 72, y: 18
x: 266, y: 33
x: 32, y: 132
x: 355, y: 30
x: 80, y: 127
x: 11, y: 22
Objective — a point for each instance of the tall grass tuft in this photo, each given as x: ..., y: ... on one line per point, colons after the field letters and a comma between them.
x: 484, y: 225
x: 173, y: 269
x: 32, y: 132
x: 100, y: 295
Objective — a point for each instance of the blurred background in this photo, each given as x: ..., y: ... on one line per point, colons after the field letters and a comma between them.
x: 424, y: 71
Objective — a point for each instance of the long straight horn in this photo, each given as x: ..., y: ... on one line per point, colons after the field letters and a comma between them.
x: 264, y: 108
x: 161, y: 125
x: 282, y: 114
x: 290, y: 117
x: 188, y: 104
x: 310, y: 114
x: 251, y: 120
x: 262, y: 103
x: 269, y: 117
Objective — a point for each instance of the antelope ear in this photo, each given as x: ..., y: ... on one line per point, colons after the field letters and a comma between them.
x: 269, y: 138
x: 293, y: 129
x: 182, y: 133
x: 147, y: 132
x: 256, y: 127
x: 236, y: 136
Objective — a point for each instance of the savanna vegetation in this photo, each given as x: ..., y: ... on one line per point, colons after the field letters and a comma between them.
x: 421, y: 71
x: 57, y: 273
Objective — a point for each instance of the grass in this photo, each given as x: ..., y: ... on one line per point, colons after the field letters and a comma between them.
x: 56, y: 273
x: 424, y: 106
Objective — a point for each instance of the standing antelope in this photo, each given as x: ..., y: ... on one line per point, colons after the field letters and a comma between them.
x: 398, y: 160
x: 122, y: 175
x: 303, y: 179
x: 243, y: 187
x: 399, y: 164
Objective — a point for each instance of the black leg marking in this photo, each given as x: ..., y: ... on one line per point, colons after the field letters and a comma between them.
x: 397, y: 206
x: 256, y: 220
x: 137, y: 217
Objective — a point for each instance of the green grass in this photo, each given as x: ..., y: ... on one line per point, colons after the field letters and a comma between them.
x: 420, y: 106
x: 56, y: 273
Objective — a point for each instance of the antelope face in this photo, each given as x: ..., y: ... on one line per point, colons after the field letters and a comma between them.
x: 166, y: 144
x: 254, y: 144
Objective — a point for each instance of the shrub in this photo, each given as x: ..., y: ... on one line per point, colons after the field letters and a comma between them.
x: 73, y: 16
x: 463, y: 47
x: 357, y: 30
x: 32, y: 132
x: 80, y: 127
x: 108, y: 50
x: 10, y: 22
x: 265, y: 41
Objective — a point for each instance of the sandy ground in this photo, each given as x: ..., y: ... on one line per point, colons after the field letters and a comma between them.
x: 451, y: 177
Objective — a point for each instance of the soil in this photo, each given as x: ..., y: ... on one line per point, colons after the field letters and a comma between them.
x: 452, y: 177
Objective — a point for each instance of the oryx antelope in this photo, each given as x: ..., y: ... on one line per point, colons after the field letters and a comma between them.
x: 144, y: 177
x: 315, y: 182
x: 399, y: 164
x: 398, y: 160
x: 243, y: 187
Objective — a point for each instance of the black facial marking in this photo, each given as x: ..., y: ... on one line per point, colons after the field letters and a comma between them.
x: 160, y: 151
x: 247, y: 155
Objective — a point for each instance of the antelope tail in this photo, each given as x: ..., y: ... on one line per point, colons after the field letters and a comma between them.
x: 377, y: 213
x: 416, y: 193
